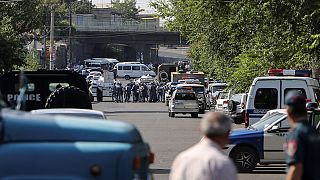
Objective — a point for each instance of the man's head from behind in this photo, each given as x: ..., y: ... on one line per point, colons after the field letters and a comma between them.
x: 296, y: 106
x: 216, y: 126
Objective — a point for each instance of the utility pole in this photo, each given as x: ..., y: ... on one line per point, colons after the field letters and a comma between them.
x: 69, y: 38
x: 51, y: 38
x: 44, y: 65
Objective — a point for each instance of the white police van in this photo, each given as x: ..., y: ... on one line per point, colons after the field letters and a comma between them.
x: 133, y: 70
x: 268, y: 93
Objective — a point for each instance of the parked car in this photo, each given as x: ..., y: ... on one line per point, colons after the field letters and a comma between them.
x: 184, y: 102
x: 222, y: 101
x: 237, y: 106
x: 83, y: 113
x: 263, y: 141
x: 61, y: 147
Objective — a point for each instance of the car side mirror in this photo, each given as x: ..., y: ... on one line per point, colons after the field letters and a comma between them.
x: 274, y: 129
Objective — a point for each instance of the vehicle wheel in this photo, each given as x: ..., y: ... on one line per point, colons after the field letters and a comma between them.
x: 163, y: 76
x: 238, y: 120
x: 126, y: 77
x: 194, y: 115
x: 232, y: 106
x: 172, y: 114
x: 245, y: 158
x: 68, y: 97
x: 201, y: 111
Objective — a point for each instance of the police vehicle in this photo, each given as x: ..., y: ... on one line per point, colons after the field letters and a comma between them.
x: 65, y: 147
x: 46, y: 89
x: 200, y: 91
x: 184, y: 101
x: 268, y: 93
x: 263, y: 141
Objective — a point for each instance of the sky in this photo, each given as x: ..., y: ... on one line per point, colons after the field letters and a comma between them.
x: 143, y: 4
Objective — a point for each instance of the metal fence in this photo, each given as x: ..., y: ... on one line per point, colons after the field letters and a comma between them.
x: 126, y: 26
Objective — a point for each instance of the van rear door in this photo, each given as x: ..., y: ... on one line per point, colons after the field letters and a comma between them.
x: 294, y: 85
x: 265, y: 95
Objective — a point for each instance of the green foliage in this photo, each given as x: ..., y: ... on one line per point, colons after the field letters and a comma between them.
x: 236, y: 41
x: 127, y: 9
x: 20, y: 19
x: 31, y: 62
x: 82, y: 7
x: 11, y: 50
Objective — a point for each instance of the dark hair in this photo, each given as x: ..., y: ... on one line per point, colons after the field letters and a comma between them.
x: 297, y: 112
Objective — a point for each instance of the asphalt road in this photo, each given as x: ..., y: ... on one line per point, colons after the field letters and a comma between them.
x: 169, y: 136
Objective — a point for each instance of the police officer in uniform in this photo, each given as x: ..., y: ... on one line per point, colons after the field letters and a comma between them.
x: 135, y: 93
x: 160, y: 92
x: 302, y: 141
x: 128, y: 92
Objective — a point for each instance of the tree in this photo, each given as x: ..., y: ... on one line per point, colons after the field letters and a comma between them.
x: 11, y: 50
x: 19, y: 22
x: 127, y: 9
x: 82, y: 7
x: 236, y: 41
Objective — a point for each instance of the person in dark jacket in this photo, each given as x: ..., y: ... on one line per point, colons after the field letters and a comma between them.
x: 302, y: 147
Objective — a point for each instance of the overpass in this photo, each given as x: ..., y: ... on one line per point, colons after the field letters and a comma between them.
x: 139, y: 39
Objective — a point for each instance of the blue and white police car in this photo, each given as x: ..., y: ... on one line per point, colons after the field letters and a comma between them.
x: 261, y: 142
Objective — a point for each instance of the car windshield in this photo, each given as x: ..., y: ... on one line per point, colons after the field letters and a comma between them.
x: 223, y: 95
x: 265, y: 121
x: 185, y: 96
x: 236, y: 98
x: 218, y: 88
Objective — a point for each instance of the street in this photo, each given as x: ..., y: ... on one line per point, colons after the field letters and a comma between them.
x: 169, y: 136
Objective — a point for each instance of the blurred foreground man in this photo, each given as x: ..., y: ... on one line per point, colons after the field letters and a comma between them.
x: 302, y: 147
x: 205, y: 160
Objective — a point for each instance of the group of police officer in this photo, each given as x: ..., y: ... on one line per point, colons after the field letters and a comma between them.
x: 138, y: 92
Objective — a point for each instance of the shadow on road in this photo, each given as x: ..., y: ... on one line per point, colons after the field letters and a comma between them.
x: 160, y: 171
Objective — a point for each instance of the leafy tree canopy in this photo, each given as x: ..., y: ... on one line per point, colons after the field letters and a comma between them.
x: 127, y: 8
x: 236, y: 41
x: 20, y: 20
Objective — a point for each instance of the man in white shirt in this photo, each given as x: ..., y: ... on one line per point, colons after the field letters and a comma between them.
x: 205, y: 160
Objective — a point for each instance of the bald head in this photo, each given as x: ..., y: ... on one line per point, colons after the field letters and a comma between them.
x: 215, y: 124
